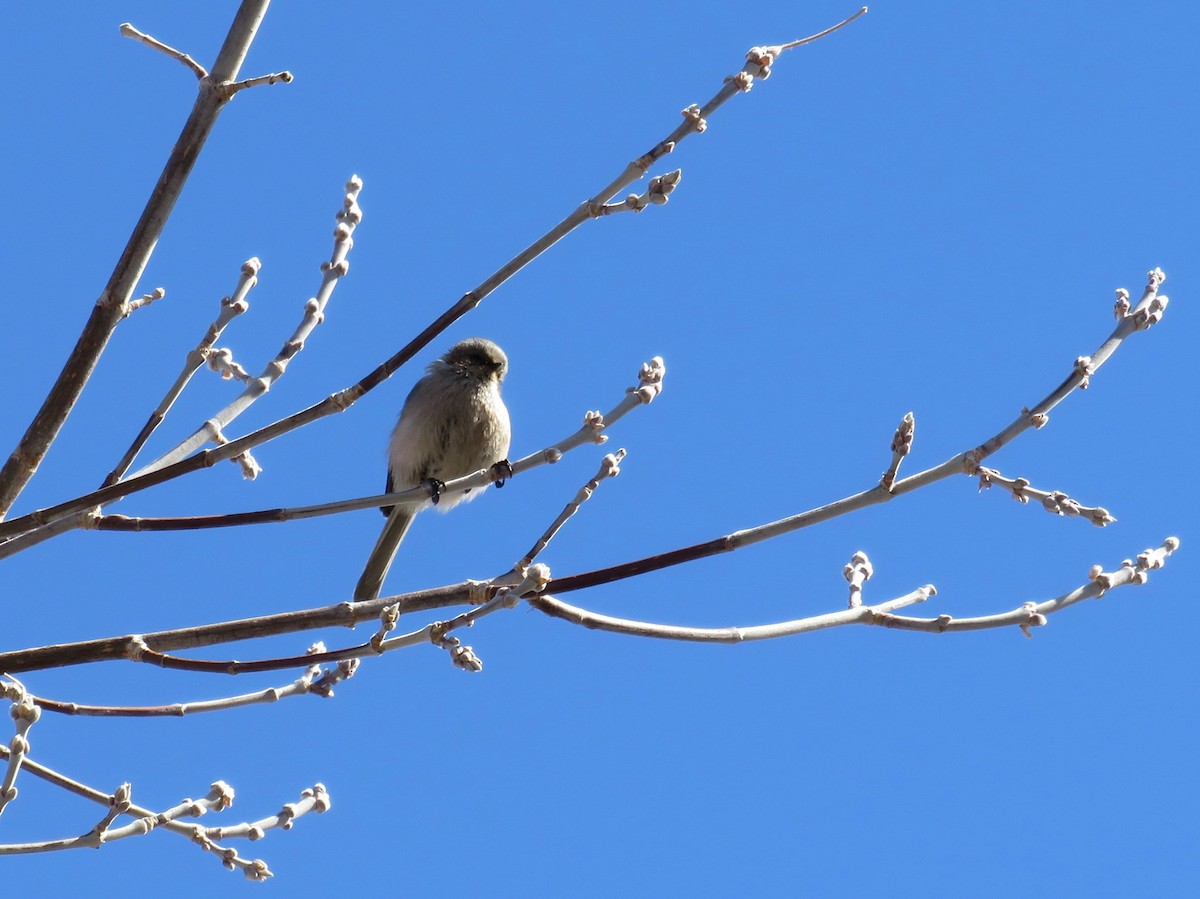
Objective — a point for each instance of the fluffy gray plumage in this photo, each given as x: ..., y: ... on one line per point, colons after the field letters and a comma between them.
x: 452, y: 424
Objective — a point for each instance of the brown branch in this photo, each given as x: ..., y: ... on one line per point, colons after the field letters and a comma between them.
x: 58, y: 518
x: 1147, y: 312
x: 112, y: 305
x: 481, y: 594
x: 315, y: 681
x: 342, y: 614
x: 758, y: 64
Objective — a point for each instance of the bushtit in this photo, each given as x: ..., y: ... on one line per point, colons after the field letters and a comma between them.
x: 453, y: 423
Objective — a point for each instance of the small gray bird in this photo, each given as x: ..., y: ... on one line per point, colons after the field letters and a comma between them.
x: 453, y: 423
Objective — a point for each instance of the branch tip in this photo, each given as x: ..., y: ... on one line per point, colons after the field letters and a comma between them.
x: 127, y: 30
x: 857, y: 572
x: 902, y: 442
x: 820, y: 34
x: 230, y: 88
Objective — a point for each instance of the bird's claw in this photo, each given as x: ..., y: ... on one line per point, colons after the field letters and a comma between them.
x: 501, y: 472
x: 435, y: 488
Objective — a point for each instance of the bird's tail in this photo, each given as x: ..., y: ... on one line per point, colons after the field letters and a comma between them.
x: 370, y: 583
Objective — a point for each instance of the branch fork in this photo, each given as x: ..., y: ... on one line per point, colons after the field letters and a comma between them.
x: 226, y: 89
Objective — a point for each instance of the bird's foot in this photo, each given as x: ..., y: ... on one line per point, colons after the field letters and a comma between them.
x: 434, y: 487
x: 501, y: 472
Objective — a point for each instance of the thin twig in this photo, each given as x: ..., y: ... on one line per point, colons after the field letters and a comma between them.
x: 332, y: 271
x: 313, y: 799
x: 902, y: 443
x: 1145, y: 314
x: 284, y: 77
x: 1032, y: 614
x: 1051, y: 500
x: 650, y: 384
x: 610, y: 467
x: 821, y: 34
x: 218, y: 798
x: 23, y: 464
x: 314, y: 681
x: 968, y: 462
x: 129, y: 31
x: 145, y: 300
x: 231, y: 307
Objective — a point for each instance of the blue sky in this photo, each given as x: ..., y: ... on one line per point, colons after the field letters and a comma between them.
x: 928, y: 211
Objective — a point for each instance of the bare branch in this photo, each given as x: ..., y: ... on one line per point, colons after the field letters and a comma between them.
x: 857, y: 572
x: 348, y: 614
x: 85, y: 520
x: 24, y: 712
x: 332, y: 270
x: 25, y: 463
x: 821, y: 34
x: 220, y: 797
x: 25, y: 460
x: 1032, y: 614
x: 967, y: 462
x: 110, y: 307
x: 151, y: 646
x: 314, y: 681
x: 859, y: 615
x: 593, y: 431
x: 1028, y: 615
x: 129, y: 31
x: 314, y: 799
x: 284, y: 77
x: 231, y: 307
x: 658, y: 191
x: 1052, y: 501
x: 610, y: 467
x: 901, y: 446
x: 342, y: 614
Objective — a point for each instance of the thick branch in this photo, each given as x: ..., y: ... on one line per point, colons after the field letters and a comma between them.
x: 343, y: 614
x: 110, y: 308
